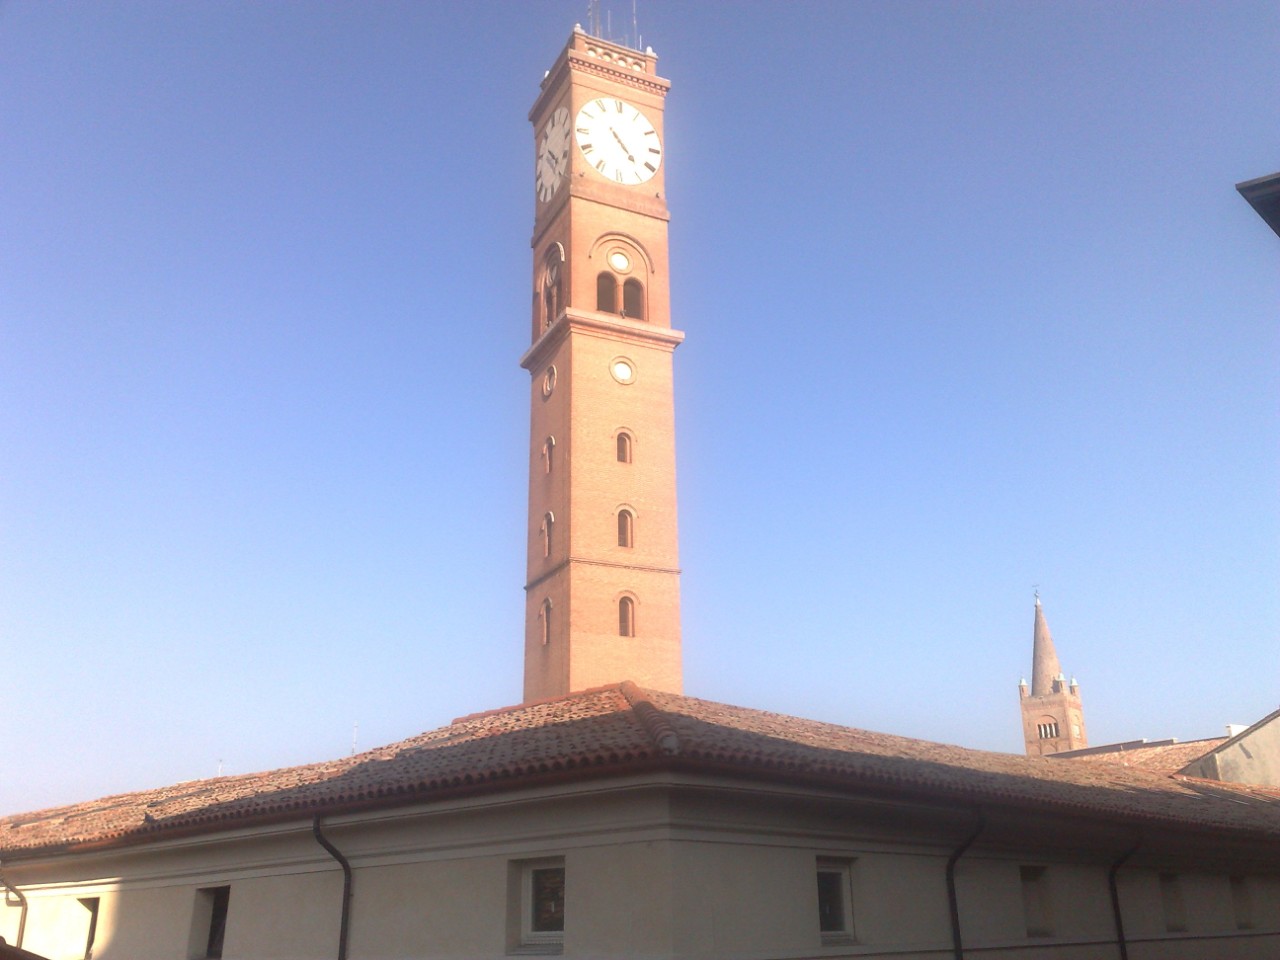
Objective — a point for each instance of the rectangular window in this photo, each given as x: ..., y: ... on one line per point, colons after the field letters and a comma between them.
x: 1242, y: 903
x: 835, y: 900
x: 536, y: 913
x: 1036, y: 910
x: 90, y: 904
x: 209, y: 923
x: 1175, y: 911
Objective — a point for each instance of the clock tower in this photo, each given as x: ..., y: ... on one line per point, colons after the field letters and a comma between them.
x: 602, y: 593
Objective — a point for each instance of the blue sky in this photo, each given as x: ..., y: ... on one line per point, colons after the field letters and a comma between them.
x: 971, y: 305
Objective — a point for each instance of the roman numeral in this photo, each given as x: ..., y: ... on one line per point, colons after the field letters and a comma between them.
x: 651, y: 168
x: 618, y: 103
x: 586, y: 148
x: 583, y: 129
x: 600, y: 166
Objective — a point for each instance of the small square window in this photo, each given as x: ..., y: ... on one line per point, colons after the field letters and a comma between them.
x: 537, y: 907
x: 835, y: 900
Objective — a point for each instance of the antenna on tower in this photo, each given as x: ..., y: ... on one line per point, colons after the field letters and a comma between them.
x: 593, y: 17
x: 635, y: 26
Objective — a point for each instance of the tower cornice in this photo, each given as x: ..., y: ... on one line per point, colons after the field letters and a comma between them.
x: 609, y: 61
x: 605, y: 325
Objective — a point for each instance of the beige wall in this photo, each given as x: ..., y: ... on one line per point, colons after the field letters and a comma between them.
x: 686, y: 868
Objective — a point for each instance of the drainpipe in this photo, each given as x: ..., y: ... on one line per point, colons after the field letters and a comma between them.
x: 22, y: 903
x: 957, y: 945
x: 346, y: 886
x: 1115, y: 898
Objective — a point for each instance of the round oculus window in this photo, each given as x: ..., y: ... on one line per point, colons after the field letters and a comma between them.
x: 548, y: 381
x: 619, y: 261
x: 623, y: 370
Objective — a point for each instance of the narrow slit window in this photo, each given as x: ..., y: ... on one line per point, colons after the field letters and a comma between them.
x: 606, y: 293
x: 626, y: 617
x: 536, y: 908
x: 1035, y: 902
x: 209, y: 923
x: 1175, y: 909
x: 835, y: 900
x: 90, y: 904
x: 548, y: 449
x: 624, y: 447
x: 548, y: 522
x: 546, y: 622
x: 633, y: 300
x: 626, y: 528
x: 1242, y: 903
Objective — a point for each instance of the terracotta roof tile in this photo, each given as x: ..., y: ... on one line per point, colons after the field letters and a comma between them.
x: 1166, y: 758
x: 622, y: 728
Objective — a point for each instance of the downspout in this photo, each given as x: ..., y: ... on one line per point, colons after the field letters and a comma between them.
x: 957, y: 945
x: 1115, y: 898
x: 346, y: 886
x: 22, y: 903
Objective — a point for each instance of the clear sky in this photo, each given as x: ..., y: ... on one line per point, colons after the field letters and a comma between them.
x: 971, y: 305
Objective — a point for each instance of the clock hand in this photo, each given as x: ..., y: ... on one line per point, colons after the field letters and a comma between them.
x: 621, y: 144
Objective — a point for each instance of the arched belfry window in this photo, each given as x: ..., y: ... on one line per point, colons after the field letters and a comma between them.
x: 552, y: 285
x: 545, y: 617
x: 624, y: 447
x: 548, y: 521
x: 607, y: 292
x: 633, y: 299
x: 626, y: 617
x: 626, y: 528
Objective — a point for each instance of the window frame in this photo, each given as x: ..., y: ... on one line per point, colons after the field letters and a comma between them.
x: 209, y: 916
x: 840, y: 868
x: 1037, y: 905
x: 524, y: 938
x: 627, y: 616
x: 92, y: 904
x: 1173, y: 902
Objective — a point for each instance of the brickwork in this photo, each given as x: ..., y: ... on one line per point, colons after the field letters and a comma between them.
x: 1052, y: 716
x: 589, y: 227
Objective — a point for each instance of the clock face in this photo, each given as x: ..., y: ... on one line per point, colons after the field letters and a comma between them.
x: 618, y: 141
x: 553, y: 154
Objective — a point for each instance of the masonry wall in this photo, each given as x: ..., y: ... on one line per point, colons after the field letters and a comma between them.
x: 685, y: 868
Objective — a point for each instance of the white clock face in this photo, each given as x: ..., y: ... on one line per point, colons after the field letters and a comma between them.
x: 553, y: 154
x: 618, y: 141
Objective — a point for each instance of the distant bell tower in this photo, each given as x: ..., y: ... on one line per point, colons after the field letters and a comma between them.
x: 1052, y: 718
x: 602, y: 593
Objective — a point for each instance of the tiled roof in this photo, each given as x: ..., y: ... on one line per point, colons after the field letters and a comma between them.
x: 1163, y: 757
x: 620, y: 729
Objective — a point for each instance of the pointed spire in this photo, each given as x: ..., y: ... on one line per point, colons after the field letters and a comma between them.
x: 1044, y: 659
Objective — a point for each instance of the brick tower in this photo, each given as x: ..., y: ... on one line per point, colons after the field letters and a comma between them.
x: 1052, y: 718
x: 602, y: 594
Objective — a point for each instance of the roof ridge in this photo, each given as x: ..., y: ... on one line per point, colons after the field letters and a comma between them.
x: 540, y: 701
x: 652, y: 718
